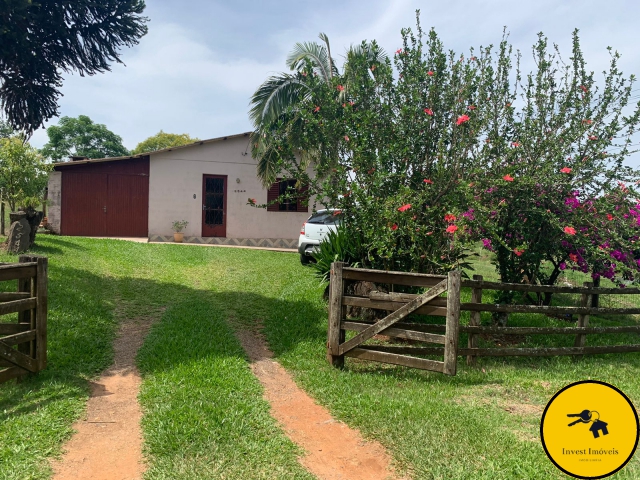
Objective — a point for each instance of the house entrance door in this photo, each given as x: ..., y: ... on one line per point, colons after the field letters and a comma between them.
x: 214, y: 206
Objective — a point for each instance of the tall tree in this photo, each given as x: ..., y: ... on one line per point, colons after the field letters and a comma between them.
x: 163, y: 140
x: 276, y: 100
x: 23, y: 173
x: 39, y: 41
x: 80, y: 136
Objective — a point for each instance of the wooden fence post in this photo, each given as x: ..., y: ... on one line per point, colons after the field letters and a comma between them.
x: 583, y: 320
x: 453, y: 323
x: 335, y: 335
x: 27, y: 316
x: 595, y: 299
x: 474, y: 320
x: 37, y: 318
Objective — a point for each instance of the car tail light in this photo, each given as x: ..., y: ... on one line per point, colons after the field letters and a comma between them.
x: 302, y: 229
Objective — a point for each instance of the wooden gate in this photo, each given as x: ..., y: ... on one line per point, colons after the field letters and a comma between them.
x: 29, y: 334
x: 429, y: 303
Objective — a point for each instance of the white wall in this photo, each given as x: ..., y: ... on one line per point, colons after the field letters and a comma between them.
x: 54, y: 199
x: 176, y: 176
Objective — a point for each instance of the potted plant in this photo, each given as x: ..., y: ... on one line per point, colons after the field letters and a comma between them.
x: 178, y: 226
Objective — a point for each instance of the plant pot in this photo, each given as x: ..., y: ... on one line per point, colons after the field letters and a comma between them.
x: 178, y: 237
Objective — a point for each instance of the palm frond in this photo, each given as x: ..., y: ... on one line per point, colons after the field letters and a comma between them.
x: 274, y: 97
x: 316, y: 54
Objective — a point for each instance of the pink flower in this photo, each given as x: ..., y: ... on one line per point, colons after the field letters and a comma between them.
x: 317, y: 109
x: 430, y: 73
x: 565, y: 170
x: 609, y: 217
x: 399, y: 51
x: 426, y: 180
x: 592, y: 137
x: 515, y: 144
x: 452, y: 229
x: 449, y: 218
x: 508, y: 178
x: 587, y: 121
x: 472, y: 107
x: 428, y: 111
x: 462, y: 119
x: 569, y: 230
x: 518, y: 251
x: 352, y: 103
x: 583, y: 88
x: 394, y: 226
x: 340, y: 88
x: 404, y: 208
x: 573, y: 257
x: 346, y: 137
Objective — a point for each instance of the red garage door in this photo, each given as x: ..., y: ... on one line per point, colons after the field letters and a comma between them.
x: 105, y: 200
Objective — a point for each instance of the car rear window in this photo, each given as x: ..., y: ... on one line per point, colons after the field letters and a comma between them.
x: 325, y: 218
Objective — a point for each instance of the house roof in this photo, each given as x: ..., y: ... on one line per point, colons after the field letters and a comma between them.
x: 145, y: 154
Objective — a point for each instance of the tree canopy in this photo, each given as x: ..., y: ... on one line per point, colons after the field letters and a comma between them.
x: 81, y: 137
x: 439, y: 151
x: 163, y: 140
x: 84, y: 36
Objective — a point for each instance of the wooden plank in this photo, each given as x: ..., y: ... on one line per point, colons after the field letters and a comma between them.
x: 25, y: 285
x: 453, y: 323
x: 397, y: 332
x: 336, y: 291
x: 474, y: 320
x: 583, y: 320
x: 486, y: 307
x: 41, y: 312
x: 18, y: 358
x: 549, y: 330
x: 394, y: 359
x: 397, y: 278
x: 405, y: 297
x: 15, y: 271
x: 525, y: 287
x: 391, y: 306
x: 553, y: 351
x: 21, y: 337
x: 393, y: 317
x: 17, y: 306
x: 10, y: 373
x: 8, y: 296
x: 11, y: 328
x: 507, y: 352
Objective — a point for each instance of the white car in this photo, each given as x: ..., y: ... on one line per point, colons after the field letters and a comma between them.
x: 314, y: 231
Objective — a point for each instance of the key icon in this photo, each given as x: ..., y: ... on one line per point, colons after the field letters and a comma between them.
x: 584, y: 417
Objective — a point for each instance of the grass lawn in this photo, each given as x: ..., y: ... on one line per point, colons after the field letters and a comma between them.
x: 204, y: 415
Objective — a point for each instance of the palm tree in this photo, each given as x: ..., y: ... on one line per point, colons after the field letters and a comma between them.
x: 274, y: 99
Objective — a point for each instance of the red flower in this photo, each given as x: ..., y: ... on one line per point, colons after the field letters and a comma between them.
x: 565, y: 170
x: 462, y: 119
x: 449, y: 218
x: 587, y: 121
x: 518, y: 251
x: 399, y: 51
x: 351, y: 103
x: 452, y: 229
x: 515, y: 144
x: 583, y: 88
x: 508, y: 178
x: 592, y: 137
x: 609, y: 217
x: 429, y: 233
x: 573, y: 257
x: 346, y: 137
x: 317, y: 109
x: 340, y: 88
x: 508, y: 105
x: 344, y: 105
x: 472, y: 107
x: 569, y: 230
x: 427, y: 180
x: 428, y: 111
x: 430, y: 73
x: 394, y: 226
x: 404, y: 208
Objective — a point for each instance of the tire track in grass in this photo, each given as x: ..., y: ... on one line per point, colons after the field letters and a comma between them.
x: 108, y: 441
x: 334, y: 451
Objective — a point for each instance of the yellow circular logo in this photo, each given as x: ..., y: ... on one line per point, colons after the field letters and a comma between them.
x: 589, y: 429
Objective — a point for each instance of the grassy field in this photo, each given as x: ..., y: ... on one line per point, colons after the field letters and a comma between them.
x: 204, y: 415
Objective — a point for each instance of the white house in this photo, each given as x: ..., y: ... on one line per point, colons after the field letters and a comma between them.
x: 207, y: 183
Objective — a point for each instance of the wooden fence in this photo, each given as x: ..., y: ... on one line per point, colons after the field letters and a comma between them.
x: 29, y: 333
x: 450, y: 307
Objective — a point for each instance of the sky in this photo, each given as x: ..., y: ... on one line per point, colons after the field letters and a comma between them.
x: 196, y: 69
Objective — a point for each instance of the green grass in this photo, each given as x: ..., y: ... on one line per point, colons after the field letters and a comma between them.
x: 204, y: 416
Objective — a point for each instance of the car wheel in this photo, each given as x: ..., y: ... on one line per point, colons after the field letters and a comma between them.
x: 304, y: 259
